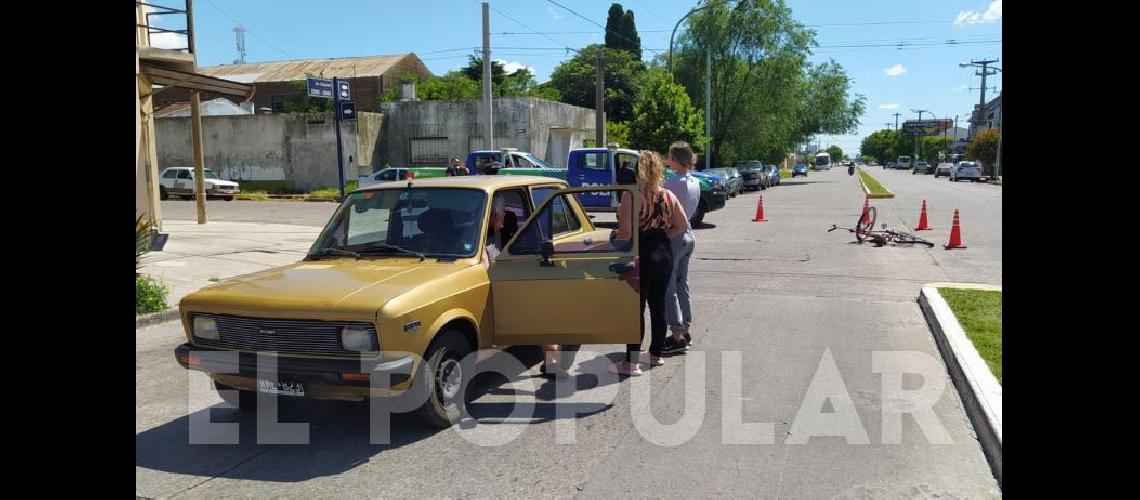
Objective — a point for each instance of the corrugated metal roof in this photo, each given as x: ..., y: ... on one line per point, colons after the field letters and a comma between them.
x: 284, y: 71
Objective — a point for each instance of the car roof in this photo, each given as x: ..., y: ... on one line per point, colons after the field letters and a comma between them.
x: 481, y: 182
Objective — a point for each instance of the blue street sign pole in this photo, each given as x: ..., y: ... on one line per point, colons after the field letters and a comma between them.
x: 339, y: 148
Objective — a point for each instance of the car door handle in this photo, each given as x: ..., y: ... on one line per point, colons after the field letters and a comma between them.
x: 623, y: 267
x: 581, y: 176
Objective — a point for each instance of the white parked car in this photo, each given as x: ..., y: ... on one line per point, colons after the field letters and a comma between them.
x: 942, y: 169
x: 966, y: 170
x: 179, y: 181
x: 386, y: 175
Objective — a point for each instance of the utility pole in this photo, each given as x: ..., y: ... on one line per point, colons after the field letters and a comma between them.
x: 488, y: 128
x: 600, y: 98
x: 985, y: 71
x: 708, y: 108
x: 339, y: 146
x: 199, y: 155
x: 897, y: 120
x: 997, y: 161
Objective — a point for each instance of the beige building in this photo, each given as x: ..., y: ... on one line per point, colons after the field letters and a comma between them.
x: 158, y: 69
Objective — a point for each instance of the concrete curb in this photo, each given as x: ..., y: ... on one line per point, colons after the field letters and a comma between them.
x: 867, y: 191
x: 156, y: 318
x: 977, y: 386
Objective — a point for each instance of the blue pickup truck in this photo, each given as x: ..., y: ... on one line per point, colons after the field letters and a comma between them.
x: 599, y: 167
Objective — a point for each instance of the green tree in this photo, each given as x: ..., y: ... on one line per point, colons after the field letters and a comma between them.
x: 619, y: 132
x: 474, y: 70
x: 629, y: 34
x: 765, y: 96
x: 984, y: 146
x: 574, y: 80
x: 663, y: 113
x: 453, y: 85
x: 614, y: 27
x: 836, y: 153
x: 880, y: 145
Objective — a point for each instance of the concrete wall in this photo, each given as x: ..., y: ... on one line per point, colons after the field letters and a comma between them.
x: 296, y: 147
x: 453, y: 129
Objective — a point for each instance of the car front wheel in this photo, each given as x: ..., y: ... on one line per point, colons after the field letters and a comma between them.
x: 442, y: 373
x: 162, y: 194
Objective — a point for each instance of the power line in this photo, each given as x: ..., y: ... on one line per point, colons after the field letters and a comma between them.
x: 255, y: 35
x: 595, y: 23
x: 532, y: 30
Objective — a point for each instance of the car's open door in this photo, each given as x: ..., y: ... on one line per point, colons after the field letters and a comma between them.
x: 561, y: 281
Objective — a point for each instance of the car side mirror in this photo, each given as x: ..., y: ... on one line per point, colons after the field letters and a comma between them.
x: 547, y: 252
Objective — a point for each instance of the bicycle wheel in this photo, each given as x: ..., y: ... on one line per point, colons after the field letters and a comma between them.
x: 865, y: 224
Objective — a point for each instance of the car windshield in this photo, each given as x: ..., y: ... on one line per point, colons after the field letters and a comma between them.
x: 209, y: 174
x: 967, y: 164
x: 436, y: 222
x: 534, y: 159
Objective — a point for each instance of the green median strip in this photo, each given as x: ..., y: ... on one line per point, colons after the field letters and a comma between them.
x: 876, y: 190
x: 979, y: 313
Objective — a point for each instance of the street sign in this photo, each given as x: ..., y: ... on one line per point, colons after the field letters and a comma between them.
x: 344, y: 90
x: 348, y: 111
x: 319, y: 87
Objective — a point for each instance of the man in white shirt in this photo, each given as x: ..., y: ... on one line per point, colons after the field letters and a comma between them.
x: 678, y: 307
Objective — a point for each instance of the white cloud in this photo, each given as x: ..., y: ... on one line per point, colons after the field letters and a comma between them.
x: 554, y: 13
x: 895, y: 70
x: 890, y: 105
x: 512, y: 66
x: 168, y: 41
x: 992, y: 14
x: 960, y: 87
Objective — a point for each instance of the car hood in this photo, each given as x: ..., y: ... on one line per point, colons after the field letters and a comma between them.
x: 220, y: 182
x: 323, y: 289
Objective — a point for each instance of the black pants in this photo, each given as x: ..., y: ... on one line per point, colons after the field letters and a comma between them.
x: 656, y: 266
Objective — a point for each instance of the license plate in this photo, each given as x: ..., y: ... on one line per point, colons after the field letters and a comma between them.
x: 282, y: 388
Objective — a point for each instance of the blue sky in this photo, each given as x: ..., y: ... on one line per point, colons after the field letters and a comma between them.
x: 860, y: 35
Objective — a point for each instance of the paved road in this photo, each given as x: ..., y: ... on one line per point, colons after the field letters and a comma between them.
x: 273, y: 212
x: 805, y: 312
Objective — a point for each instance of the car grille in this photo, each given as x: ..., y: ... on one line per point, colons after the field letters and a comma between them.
x: 287, y: 336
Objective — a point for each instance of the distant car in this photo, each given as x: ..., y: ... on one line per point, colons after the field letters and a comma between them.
x: 773, y: 175
x: 179, y: 181
x: 800, y: 169
x: 966, y: 170
x: 753, y: 174
x: 921, y: 167
x: 386, y: 175
x: 942, y: 169
x: 734, y: 182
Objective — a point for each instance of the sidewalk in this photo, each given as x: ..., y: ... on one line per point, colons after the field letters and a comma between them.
x: 196, y: 253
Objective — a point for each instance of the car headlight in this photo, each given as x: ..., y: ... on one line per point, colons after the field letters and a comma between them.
x: 205, y: 328
x: 355, y: 338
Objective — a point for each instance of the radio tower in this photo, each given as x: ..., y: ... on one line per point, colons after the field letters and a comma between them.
x: 239, y: 33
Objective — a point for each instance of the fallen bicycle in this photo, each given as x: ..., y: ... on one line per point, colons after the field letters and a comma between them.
x: 864, y: 231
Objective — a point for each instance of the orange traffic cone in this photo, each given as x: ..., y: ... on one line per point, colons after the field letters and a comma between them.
x: 760, y: 210
x: 866, y: 205
x: 922, y: 226
x: 955, y: 234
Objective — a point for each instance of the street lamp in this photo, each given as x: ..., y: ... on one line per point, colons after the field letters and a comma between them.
x: 708, y: 78
x: 679, y: 21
